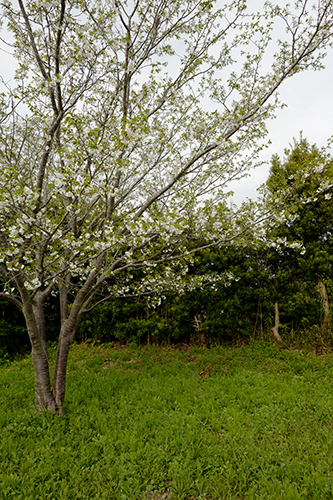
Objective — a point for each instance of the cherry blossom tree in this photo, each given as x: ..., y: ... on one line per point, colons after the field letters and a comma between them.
x: 125, y: 123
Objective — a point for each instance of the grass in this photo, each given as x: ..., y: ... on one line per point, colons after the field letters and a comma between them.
x: 141, y: 424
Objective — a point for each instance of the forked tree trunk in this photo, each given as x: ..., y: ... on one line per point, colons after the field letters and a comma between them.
x: 325, y: 303
x: 48, y: 397
x: 275, y: 328
x: 198, y: 325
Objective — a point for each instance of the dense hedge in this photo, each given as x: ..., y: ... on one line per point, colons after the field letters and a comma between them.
x: 242, y: 311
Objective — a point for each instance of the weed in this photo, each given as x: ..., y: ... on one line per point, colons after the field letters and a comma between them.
x: 142, y: 424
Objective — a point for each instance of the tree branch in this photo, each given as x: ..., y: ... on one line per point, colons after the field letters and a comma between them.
x: 11, y: 299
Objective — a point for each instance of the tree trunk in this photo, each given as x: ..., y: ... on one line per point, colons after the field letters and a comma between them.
x: 325, y: 303
x: 60, y: 370
x: 69, y: 323
x: 47, y: 398
x: 275, y: 328
x: 44, y: 398
x: 197, y: 322
x: 33, y: 309
x: 34, y: 316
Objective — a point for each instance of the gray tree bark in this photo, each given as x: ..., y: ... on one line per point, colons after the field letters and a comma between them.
x: 33, y: 311
x: 325, y: 303
x: 275, y: 328
x: 49, y: 396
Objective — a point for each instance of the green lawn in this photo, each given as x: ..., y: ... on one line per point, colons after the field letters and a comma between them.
x: 142, y: 424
